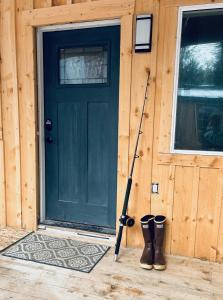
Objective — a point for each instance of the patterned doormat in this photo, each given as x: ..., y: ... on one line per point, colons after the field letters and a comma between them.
x: 60, y: 252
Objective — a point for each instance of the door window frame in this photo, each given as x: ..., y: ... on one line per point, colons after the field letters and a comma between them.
x: 181, y: 10
x: 40, y: 90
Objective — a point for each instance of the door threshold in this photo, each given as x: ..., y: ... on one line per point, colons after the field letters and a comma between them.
x: 80, y: 226
x: 83, y: 235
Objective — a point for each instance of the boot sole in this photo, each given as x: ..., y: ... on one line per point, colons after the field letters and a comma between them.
x: 159, y: 267
x: 147, y: 267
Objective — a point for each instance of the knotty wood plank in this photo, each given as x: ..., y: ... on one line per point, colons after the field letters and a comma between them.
x: 168, y: 3
x: 162, y: 203
x: 5, y: 295
x: 27, y: 113
x: 169, y: 52
x: 2, y: 187
x: 124, y: 111
x: 2, y: 171
x: 139, y: 204
x: 184, y: 278
x: 162, y: 125
x: 61, y: 2
x: 28, y: 108
x: 9, y: 236
x: 204, y: 161
x: 217, y: 214
x: 207, y: 202
x: 42, y: 3
x: 194, y: 207
x: 1, y: 128
x: 96, y: 10
x: 220, y: 237
x: 184, y: 214
x: 10, y: 113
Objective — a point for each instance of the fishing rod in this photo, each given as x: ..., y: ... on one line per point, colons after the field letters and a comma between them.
x: 125, y: 220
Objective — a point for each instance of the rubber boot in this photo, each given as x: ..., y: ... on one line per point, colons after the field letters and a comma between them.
x: 147, y: 225
x: 159, y: 231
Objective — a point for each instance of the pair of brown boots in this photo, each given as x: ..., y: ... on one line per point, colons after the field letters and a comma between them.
x: 153, y: 229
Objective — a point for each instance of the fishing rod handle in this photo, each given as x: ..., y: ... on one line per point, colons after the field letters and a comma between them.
x: 118, y: 241
x: 127, y: 193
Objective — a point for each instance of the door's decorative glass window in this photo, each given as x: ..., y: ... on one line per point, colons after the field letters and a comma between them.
x: 83, y: 65
x: 199, y: 95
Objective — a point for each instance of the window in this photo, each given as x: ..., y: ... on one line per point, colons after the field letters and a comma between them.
x: 198, y: 120
x: 83, y: 65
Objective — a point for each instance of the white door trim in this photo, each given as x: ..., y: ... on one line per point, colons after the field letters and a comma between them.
x: 40, y: 90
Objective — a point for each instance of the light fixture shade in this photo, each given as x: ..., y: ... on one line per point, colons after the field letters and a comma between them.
x: 143, y: 41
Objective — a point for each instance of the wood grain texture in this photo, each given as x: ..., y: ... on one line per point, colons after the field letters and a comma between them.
x: 10, y: 113
x: 206, y: 212
x: 42, y: 3
x: 197, y: 187
x: 185, y: 278
x: 61, y: 2
x: 184, y: 214
x: 168, y: 63
x: 217, y: 215
x: 191, y: 182
x: 203, y: 161
x: 27, y: 111
x: 2, y: 170
x: 139, y: 204
x: 162, y: 203
x: 2, y: 187
x: 176, y: 3
x: 220, y: 237
x: 124, y: 111
x: 98, y: 10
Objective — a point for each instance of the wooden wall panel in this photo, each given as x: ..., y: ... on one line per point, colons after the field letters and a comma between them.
x: 184, y: 211
x: 216, y: 229
x: 194, y: 225
x: 28, y: 106
x: 42, y: 3
x: 10, y: 113
x: 206, y: 212
x: 2, y: 171
x: 26, y: 144
x: 83, y: 12
x: 140, y: 194
x: 220, y: 237
x: 2, y: 187
x: 162, y: 203
x: 190, y: 186
x: 124, y: 111
x: 168, y: 64
x: 61, y: 2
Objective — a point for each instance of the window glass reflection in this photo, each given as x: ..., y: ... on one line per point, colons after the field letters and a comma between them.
x: 83, y: 65
x: 199, y: 117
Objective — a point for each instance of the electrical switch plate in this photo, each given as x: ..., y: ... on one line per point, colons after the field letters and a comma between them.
x: 155, y: 188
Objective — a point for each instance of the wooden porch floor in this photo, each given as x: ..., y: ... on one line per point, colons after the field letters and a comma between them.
x: 184, y: 279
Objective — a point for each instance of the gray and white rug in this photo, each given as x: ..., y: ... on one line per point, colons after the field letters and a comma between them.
x: 60, y: 252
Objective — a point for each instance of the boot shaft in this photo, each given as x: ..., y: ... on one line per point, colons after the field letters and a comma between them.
x: 147, y: 225
x: 159, y: 230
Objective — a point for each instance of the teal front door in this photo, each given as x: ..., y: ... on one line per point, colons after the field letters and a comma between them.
x: 81, y: 85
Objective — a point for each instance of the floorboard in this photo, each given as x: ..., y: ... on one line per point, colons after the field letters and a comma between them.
x: 185, y: 278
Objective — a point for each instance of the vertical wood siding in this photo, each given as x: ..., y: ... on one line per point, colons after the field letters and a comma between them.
x: 190, y: 186
x: 10, y: 113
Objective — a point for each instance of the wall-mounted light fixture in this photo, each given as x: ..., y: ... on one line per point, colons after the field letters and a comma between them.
x: 144, y: 24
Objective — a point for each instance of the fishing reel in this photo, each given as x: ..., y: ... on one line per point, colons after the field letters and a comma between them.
x: 127, y: 221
